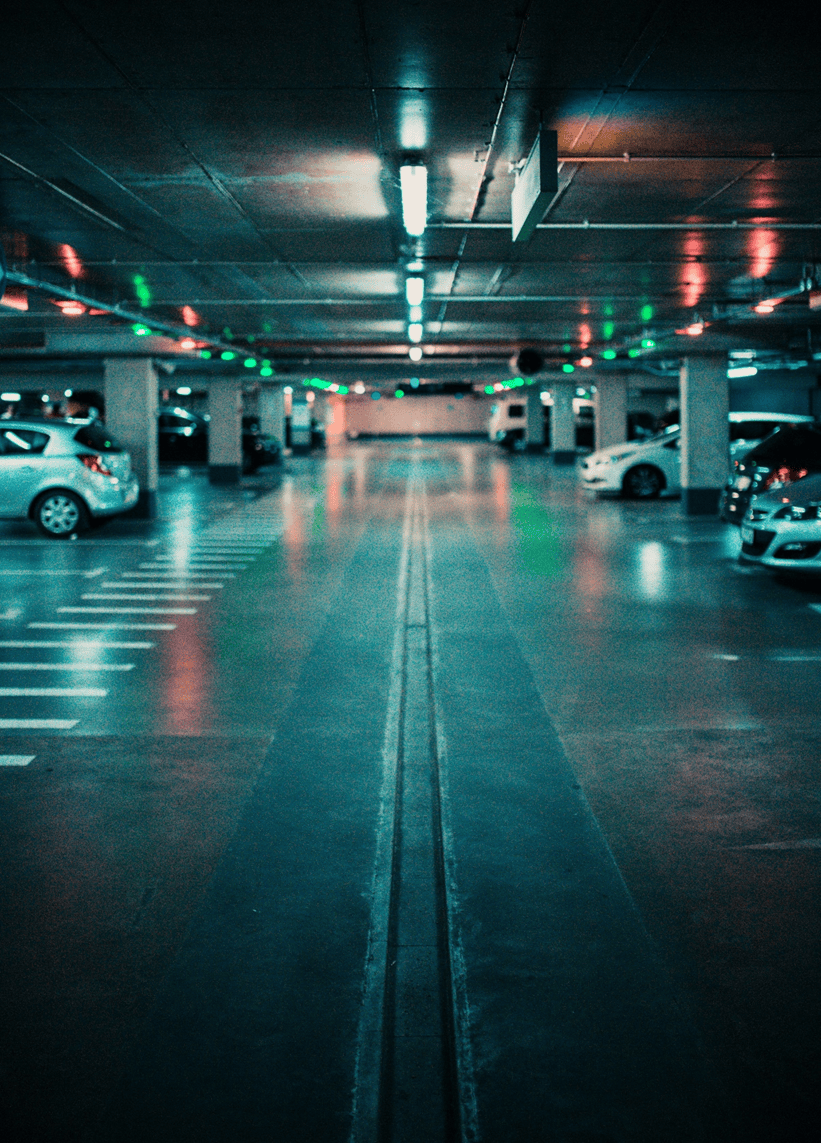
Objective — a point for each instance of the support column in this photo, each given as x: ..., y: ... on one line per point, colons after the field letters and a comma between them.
x: 131, y: 415
x: 705, y: 404
x: 272, y: 412
x: 610, y: 408
x: 534, y: 425
x: 562, y: 423
x: 225, y: 430
x: 300, y: 422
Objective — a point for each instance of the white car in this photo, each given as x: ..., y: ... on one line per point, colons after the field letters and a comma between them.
x: 643, y: 470
x: 782, y: 529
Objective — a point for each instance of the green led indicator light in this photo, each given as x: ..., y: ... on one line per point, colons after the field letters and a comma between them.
x: 141, y: 330
x: 567, y: 348
x: 648, y: 343
x: 399, y: 393
x: 142, y: 291
x: 608, y: 329
x: 227, y: 355
x: 266, y: 371
x: 250, y: 363
x: 646, y: 313
x: 205, y: 353
x: 633, y: 352
x: 608, y: 310
x: 609, y: 354
x: 568, y: 368
x: 343, y: 390
x: 489, y: 389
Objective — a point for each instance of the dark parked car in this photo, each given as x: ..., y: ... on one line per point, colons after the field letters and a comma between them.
x: 788, y: 454
x: 183, y: 439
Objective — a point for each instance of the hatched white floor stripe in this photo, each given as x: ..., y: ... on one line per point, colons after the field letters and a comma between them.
x: 16, y: 759
x: 38, y: 723
x: 77, y: 644
x: 73, y: 666
x: 170, y: 585
x: 128, y: 610
x: 113, y: 625
x: 124, y: 597
x: 52, y: 692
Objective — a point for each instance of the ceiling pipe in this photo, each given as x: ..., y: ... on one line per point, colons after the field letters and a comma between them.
x: 586, y: 225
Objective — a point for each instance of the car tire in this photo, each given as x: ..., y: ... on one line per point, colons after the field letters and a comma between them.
x: 644, y: 482
x: 60, y: 514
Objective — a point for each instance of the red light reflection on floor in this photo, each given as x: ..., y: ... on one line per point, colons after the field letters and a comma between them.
x: 185, y: 679
x: 763, y: 247
x: 693, y: 273
x: 501, y: 492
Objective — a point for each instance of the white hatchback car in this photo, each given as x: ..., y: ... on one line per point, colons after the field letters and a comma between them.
x: 782, y: 529
x: 62, y: 474
x: 643, y: 470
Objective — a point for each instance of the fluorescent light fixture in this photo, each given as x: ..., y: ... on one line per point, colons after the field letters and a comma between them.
x: 359, y: 388
x: 415, y: 331
x: 184, y: 391
x: 415, y: 313
x: 415, y: 353
x: 414, y: 291
x: 742, y: 371
x: 9, y: 397
x: 414, y: 184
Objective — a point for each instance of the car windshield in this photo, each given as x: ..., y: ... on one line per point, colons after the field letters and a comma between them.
x: 662, y: 436
x: 95, y: 436
x: 789, y: 445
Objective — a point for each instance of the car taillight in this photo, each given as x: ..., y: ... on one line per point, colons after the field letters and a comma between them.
x: 784, y: 475
x: 94, y: 462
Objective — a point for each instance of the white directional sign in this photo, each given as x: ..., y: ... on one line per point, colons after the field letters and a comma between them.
x: 536, y: 184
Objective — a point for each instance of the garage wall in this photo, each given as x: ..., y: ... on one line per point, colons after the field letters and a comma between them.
x: 411, y: 416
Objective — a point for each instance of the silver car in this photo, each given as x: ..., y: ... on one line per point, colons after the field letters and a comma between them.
x: 782, y: 528
x: 62, y: 474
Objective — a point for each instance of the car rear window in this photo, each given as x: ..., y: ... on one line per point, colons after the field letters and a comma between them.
x: 15, y: 441
x: 751, y: 430
x: 95, y: 436
x: 515, y: 410
x: 788, y: 445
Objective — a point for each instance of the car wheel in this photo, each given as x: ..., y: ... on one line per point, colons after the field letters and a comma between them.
x: 644, y: 482
x: 60, y: 515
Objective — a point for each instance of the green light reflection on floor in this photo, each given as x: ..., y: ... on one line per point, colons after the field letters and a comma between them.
x: 537, y: 533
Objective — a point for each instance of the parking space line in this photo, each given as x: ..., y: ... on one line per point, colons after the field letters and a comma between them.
x: 171, y: 585
x: 38, y: 723
x: 180, y: 575
x: 52, y: 692
x: 110, y: 626
x: 16, y: 759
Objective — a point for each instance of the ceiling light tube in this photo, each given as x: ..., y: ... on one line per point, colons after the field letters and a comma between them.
x: 415, y: 353
x: 414, y: 183
x: 414, y: 291
x: 742, y: 371
x: 415, y: 331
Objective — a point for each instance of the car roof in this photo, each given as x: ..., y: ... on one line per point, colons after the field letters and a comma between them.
x: 789, y: 418
x: 47, y: 422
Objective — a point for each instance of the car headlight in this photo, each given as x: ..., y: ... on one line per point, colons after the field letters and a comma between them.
x: 795, y: 512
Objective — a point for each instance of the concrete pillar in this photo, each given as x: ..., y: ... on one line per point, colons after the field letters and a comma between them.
x: 610, y: 408
x: 705, y: 403
x: 225, y: 430
x: 534, y: 424
x: 562, y: 423
x: 272, y: 412
x: 301, y: 413
x: 131, y: 415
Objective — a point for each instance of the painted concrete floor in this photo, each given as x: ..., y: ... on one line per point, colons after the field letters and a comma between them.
x: 407, y: 794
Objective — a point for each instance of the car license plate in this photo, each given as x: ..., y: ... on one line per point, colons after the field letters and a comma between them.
x: 747, y: 534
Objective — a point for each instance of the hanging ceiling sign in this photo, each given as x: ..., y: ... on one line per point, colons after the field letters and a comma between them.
x: 536, y: 184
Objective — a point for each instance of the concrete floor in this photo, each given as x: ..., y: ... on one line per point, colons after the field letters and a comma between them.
x: 594, y: 919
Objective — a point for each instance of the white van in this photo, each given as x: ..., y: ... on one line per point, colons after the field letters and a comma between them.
x: 643, y: 470
x: 508, y: 422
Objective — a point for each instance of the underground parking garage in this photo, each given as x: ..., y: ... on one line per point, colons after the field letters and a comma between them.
x: 402, y: 787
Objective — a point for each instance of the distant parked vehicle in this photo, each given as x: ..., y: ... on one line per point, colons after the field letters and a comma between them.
x: 183, y: 439
x: 789, y: 453
x: 642, y: 470
x: 62, y: 474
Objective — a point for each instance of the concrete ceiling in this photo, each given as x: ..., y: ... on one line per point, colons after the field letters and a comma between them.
x: 232, y: 171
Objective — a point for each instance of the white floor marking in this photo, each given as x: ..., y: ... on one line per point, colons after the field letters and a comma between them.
x: 21, y: 572
x: 52, y: 692
x: 112, y: 625
x: 16, y: 759
x: 78, y: 644
x: 38, y: 723
x: 728, y: 658
x: 805, y: 843
x: 10, y: 613
x: 794, y: 658
x: 73, y: 666
x: 124, y: 597
x: 128, y: 610
x: 182, y: 575
x: 168, y: 585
